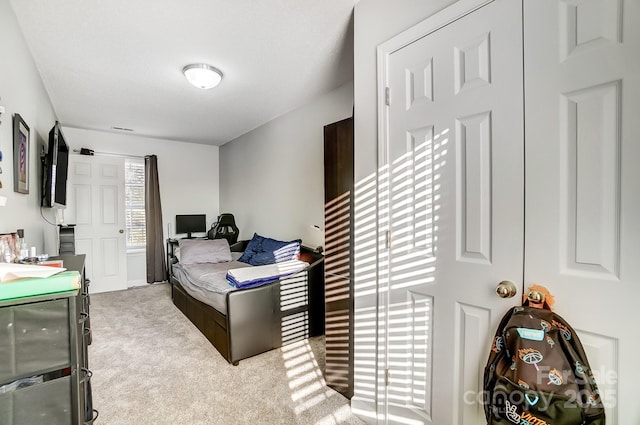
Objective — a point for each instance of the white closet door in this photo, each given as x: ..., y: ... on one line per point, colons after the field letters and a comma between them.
x: 452, y: 201
x: 582, y: 74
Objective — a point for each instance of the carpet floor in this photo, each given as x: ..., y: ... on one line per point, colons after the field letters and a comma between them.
x: 152, y: 366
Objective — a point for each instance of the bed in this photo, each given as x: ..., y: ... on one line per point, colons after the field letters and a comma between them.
x: 241, y: 323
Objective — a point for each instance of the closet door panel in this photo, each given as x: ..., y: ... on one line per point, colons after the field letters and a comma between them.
x: 450, y: 207
x: 582, y: 79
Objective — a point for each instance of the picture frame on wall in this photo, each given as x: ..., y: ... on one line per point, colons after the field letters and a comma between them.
x: 20, y: 155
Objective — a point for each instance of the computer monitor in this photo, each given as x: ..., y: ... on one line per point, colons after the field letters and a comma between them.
x: 191, y: 223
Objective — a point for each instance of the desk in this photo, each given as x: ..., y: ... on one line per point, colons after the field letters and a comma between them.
x: 172, y: 244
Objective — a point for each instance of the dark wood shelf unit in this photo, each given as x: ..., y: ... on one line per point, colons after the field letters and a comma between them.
x: 338, y: 265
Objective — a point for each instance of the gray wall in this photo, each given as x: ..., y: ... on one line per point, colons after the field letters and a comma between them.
x: 188, y: 175
x: 22, y: 92
x: 188, y: 172
x: 272, y: 178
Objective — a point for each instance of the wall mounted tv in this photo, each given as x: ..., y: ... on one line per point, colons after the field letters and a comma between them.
x: 191, y: 223
x: 55, y: 166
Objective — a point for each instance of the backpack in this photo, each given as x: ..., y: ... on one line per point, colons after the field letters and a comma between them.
x: 538, y: 373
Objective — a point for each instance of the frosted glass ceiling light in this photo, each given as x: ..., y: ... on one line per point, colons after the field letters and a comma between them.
x: 202, y: 75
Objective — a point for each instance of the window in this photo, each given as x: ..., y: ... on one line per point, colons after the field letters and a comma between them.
x: 134, y: 203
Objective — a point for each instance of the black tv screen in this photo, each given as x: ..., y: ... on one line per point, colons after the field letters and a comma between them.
x: 55, y: 170
x: 191, y: 223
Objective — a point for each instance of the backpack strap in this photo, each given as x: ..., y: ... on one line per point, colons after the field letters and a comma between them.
x: 497, y: 352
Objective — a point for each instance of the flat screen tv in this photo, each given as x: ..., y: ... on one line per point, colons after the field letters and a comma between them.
x: 191, y: 223
x: 55, y: 166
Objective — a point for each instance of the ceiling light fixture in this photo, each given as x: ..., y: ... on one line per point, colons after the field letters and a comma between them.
x: 202, y: 75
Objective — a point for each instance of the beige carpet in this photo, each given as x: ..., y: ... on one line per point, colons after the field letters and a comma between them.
x: 152, y: 366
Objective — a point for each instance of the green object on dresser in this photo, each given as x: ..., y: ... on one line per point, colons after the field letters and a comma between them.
x: 67, y: 281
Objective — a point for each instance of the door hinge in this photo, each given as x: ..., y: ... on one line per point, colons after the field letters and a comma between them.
x: 387, y: 96
x: 387, y: 377
x: 388, y: 239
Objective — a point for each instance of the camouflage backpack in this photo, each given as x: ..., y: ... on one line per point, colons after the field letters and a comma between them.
x: 538, y: 373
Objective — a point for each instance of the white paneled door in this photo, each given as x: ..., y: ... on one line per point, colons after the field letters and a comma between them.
x: 582, y: 74
x: 452, y: 201
x: 96, y: 206
x: 457, y: 92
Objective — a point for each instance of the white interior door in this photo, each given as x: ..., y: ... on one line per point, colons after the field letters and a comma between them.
x: 453, y: 183
x: 582, y: 73
x: 96, y: 206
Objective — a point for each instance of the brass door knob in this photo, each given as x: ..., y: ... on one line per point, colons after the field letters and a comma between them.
x: 536, y: 297
x: 506, y: 289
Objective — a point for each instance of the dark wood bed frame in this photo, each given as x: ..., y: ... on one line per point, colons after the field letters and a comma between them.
x: 263, y: 318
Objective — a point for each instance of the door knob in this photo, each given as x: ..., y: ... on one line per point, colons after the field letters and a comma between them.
x: 506, y: 289
x: 536, y: 297
x: 121, y: 231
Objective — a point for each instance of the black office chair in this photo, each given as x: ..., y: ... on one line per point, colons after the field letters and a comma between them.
x: 225, y: 228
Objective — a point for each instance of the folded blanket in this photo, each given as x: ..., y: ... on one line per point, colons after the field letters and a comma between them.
x: 250, y: 277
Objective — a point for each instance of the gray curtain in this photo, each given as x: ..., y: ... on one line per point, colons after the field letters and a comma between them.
x: 156, y: 264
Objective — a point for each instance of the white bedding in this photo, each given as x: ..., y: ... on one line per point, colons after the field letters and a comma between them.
x: 250, y: 277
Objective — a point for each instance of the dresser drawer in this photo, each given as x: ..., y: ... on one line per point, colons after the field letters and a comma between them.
x: 48, y: 403
x: 35, y: 338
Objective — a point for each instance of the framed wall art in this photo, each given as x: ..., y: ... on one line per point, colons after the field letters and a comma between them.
x: 20, y: 155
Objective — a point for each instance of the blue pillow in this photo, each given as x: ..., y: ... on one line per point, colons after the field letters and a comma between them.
x: 261, y: 251
x: 253, y: 246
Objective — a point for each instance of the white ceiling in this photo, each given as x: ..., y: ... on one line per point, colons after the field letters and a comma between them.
x: 118, y: 63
